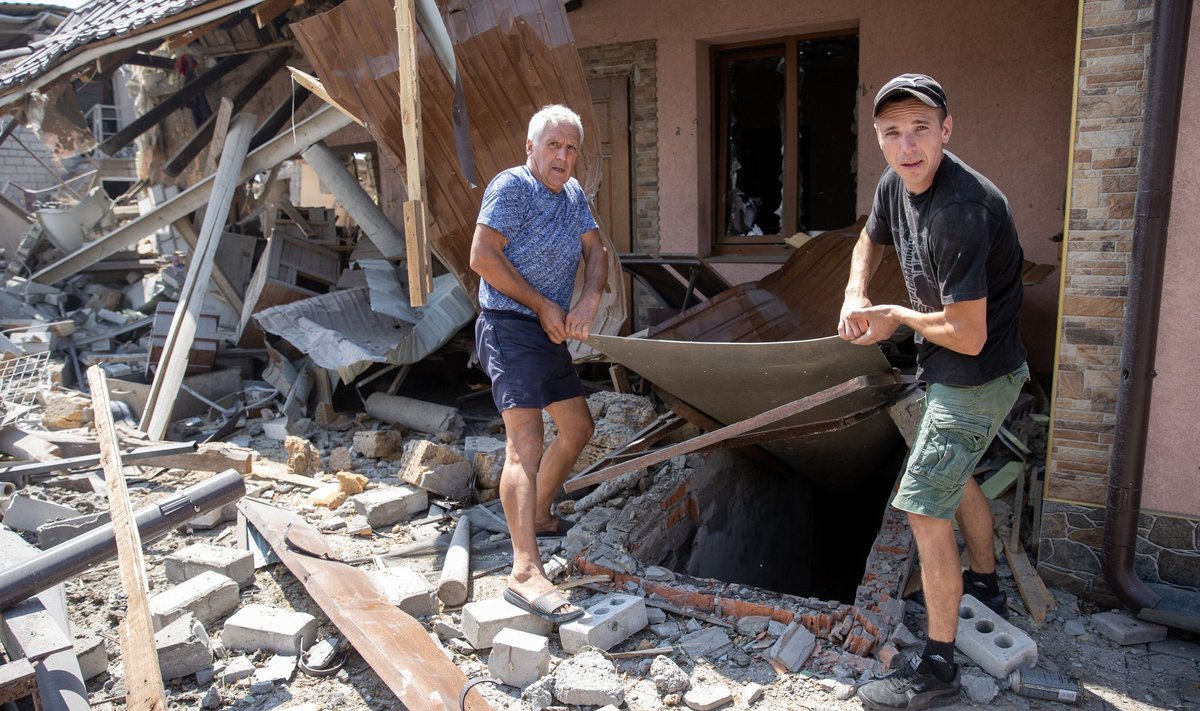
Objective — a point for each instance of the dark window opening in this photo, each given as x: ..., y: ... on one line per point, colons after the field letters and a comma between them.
x: 787, y: 139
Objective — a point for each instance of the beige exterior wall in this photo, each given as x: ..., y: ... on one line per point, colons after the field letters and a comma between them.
x: 987, y: 56
x: 1173, y: 446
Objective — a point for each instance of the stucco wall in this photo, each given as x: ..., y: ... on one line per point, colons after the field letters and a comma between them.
x: 987, y: 56
x: 1173, y: 449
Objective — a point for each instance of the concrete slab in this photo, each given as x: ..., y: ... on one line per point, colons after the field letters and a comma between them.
x: 1125, y: 630
x: 387, y: 505
x: 256, y: 627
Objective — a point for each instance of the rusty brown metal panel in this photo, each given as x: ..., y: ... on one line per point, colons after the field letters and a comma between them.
x: 799, y: 301
x: 514, y: 58
x: 396, y: 646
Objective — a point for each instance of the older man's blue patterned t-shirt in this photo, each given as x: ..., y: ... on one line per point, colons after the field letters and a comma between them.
x: 543, y: 230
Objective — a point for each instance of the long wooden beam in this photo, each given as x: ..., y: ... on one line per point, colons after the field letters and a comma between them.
x: 420, y: 273
x: 139, y: 656
x: 316, y: 127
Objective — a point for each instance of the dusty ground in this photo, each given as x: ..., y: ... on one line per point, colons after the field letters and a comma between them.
x: 1155, y: 676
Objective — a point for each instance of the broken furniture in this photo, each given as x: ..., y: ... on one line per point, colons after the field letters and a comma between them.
x: 203, y: 353
x: 290, y: 269
x: 675, y: 279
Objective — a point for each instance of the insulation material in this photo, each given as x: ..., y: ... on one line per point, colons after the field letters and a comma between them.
x: 59, y: 121
x: 513, y: 58
x: 340, y: 331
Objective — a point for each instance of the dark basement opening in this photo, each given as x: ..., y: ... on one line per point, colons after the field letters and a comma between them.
x: 774, y: 529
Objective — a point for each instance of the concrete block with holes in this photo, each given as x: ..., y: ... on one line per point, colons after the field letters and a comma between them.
x: 991, y: 642
x: 484, y: 619
x: 256, y: 627
x: 519, y: 658
x: 189, y: 562
x: 209, y: 596
x: 610, y: 620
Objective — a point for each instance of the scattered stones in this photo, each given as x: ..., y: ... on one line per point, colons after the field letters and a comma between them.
x: 752, y: 692
x: 341, y: 459
x: 979, y: 689
x: 1074, y: 628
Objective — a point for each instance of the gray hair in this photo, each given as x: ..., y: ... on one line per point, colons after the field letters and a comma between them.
x: 553, y: 115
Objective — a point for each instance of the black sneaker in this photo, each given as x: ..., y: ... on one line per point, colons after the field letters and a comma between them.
x: 998, y: 602
x: 912, y: 686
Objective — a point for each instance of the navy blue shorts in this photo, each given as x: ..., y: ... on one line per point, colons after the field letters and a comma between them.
x: 527, y: 369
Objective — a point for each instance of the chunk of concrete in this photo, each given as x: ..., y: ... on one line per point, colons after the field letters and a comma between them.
x: 389, y: 504
x: 55, y: 532
x: 1125, y: 630
x: 341, y: 459
x: 992, y: 642
x: 238, y: 668
x: 793, y: 647
x: 26, y: 513
x: 256, y: 627
x: 435, y: 467
x: 182, y: 648
x: 610, y: 620
x: 484, y: 619
x: 588, y: 679
x: 215, y: 517
x: 189, y: 562
x: 668, y: 677
x: 209, y: 596
x: 405, y: 588
x: 92, y: 654
x: 708, y: 697
x: 377, y: 444
x: 519, y: 658
x: 277, y: 670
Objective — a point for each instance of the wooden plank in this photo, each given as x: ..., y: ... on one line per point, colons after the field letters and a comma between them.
x: 1014, y: 536
x: 228, y: 291
x: 139, y: 656
x: 1038, y: 599
x: 420, y: 274
x: 18, y: 679
x: 173, y: 362
x: 268, y: 10
x: 314, y: 85
x: 999, y: 482
x: 220, y: 130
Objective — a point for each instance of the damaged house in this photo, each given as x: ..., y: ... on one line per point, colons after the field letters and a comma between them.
x: 253, y: 233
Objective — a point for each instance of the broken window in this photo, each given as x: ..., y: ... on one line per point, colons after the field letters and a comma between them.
x: 787, y: 138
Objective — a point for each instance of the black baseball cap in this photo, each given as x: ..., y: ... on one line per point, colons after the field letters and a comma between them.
x: 918, y: 86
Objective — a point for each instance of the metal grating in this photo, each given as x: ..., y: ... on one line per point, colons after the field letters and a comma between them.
x: 20, y: 380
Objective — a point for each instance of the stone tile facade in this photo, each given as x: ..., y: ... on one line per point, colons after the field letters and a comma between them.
x: 1103, y: 183
x: 1069, y: 556
x: 637, y: 60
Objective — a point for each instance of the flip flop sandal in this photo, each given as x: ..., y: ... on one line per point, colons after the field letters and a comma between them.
x: 544, y: 605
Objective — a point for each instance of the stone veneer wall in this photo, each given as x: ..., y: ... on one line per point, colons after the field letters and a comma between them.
x: 1069, y: 556
x: 638, y: 60
x: 1112, y: 84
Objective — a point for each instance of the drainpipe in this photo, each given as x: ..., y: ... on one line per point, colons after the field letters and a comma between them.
x: 1156, y: 168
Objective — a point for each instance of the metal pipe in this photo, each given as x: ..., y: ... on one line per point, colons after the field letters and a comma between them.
x: 17, y: 471
x: 1152, y: 211
x: 65, y: 560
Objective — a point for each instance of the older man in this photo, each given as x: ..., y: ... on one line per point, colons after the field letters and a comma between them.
x: 961, y: 261
x: 533, y: 228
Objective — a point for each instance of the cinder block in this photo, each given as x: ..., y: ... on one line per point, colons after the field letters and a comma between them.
x: 182, y: 648
x: 519, y: 658
x: 483, y: 620
x: 189, y: 562
x: 1125, y: 630
x: 992, y: 642
x: 256, y: 627
x: 405, y: 588
x: 610, y: 620
x: 389, y: 504
x: 209, y: 596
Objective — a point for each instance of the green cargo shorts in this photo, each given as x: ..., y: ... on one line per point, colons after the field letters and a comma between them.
x: 956, y: 428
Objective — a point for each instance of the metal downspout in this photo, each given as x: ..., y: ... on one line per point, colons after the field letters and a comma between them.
x: 1152, y: 209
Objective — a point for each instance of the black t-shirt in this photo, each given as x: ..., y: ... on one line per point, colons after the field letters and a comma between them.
x: 956, y: 242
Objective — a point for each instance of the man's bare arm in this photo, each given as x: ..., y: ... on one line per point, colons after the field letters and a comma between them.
x: 595, y: 275
x: 961, y: 326
x: 489, y: 262
x: 863, y: 263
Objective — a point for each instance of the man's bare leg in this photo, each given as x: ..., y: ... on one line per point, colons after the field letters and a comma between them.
x: 941, y: 575
x: 574, y: 423
x: 975, y: 521
x: 518, y: 494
